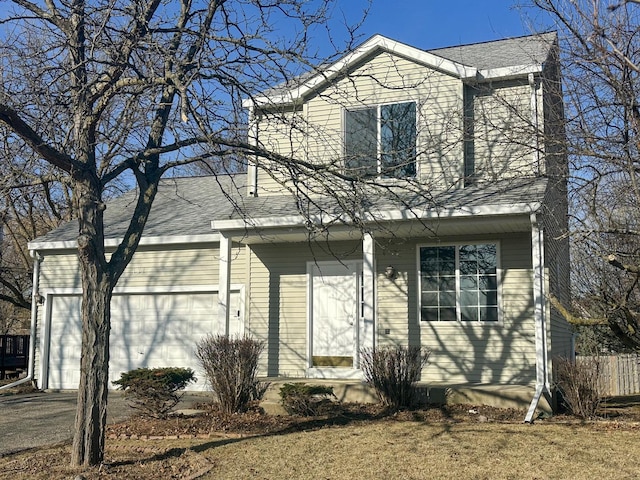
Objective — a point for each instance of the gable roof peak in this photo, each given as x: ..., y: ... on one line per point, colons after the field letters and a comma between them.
x: 505, y: 58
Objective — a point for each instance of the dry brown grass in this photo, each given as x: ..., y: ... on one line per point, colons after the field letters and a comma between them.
x: 386, y: 449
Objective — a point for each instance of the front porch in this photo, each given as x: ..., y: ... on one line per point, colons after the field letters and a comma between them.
x: 501, y: 396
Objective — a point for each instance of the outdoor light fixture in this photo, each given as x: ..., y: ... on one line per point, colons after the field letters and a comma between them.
x: 390, y: 272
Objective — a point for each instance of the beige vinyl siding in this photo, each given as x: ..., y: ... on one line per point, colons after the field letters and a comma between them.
x: 556, y: 257
x: 278, y: 312
x: 282, y: 131
x: 169, y: 266
x: 502, y: 352
x: 397, y: 299
x: 383, y: 78
x: 154, y: 268
x: 59, y: 270
x: 387, y: 78
x: 554, y: 140
x: 555, y: 211
x: 502, y: 131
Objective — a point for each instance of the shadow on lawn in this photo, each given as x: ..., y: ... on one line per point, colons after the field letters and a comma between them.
x: 249, y: 426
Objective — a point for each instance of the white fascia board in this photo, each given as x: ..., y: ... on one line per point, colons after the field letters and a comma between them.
x: 148, y: 289
x: 267, y: 222
x: 457, y: 212
x: 375, y: 42
x: 114, y: 242
x: 509, y: 72
x: 391, y: 215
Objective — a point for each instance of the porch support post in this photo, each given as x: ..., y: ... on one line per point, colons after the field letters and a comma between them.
x: 224, y: 283
x: 367, y: 328
x: 542, y: 374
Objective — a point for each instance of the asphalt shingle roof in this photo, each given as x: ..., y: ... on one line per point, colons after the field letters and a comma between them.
x: 509, y: 52
x: 186, y: 206
x: 183, y: 206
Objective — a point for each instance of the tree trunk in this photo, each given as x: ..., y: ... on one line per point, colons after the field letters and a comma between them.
x: 97, y: 288
x: 91, y: 413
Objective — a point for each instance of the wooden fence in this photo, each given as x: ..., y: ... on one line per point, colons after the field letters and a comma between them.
x: 619, y: 374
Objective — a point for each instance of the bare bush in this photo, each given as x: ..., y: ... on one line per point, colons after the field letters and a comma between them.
x: 231, y: 365
x: 393, y: 371
x: 579, y: 385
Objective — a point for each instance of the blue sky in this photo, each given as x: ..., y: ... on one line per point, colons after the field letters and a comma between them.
x: 430, y: 24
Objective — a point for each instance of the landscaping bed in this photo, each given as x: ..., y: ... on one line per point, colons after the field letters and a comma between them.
x: 208, y: 421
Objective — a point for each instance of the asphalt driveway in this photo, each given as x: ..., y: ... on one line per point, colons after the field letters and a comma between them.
x: 36, y: 419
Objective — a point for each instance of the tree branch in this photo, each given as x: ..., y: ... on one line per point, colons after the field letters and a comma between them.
x: 573, y: 319
x: 11, y: 118
x: 613, y: 260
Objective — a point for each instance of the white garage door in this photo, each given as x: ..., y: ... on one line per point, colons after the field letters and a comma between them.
x: 159, y: 330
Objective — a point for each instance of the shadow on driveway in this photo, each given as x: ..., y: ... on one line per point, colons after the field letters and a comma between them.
x: 43, y: 418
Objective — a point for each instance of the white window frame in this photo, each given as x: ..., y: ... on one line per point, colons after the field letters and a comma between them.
x: 458, y: 320
x: 379, y: 152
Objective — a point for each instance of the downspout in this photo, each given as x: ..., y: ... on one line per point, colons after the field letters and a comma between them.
x: 35, y: 296
x: 535, y: 121
x: 542, y: 374
x: 252, y: 167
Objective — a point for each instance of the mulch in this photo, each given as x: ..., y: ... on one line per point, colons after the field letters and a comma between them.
x: 210, y: 422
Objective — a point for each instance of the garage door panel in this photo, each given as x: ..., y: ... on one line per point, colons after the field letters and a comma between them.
x: 147, y: 331
x: 203, y: 304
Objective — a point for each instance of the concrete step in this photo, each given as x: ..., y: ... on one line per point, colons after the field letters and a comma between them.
x: 504, y: 396
x: 344, y: 390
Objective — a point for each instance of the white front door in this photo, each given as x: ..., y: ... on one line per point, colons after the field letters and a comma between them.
x: 334, y: 310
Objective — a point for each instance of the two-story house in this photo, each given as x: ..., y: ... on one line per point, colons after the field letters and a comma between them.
x: 397, y: 197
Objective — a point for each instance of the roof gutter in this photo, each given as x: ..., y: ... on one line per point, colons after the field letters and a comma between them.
x: 35, y: 297
x: 114, y: 242
x: 506, y: 73
x: 241, y: 224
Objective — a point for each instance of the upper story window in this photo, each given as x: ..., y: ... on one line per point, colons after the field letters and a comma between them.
x: 459, y: 282
x: 381, y: 140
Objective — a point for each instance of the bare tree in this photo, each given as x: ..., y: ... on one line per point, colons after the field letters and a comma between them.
x: 124, y: 91
x: 601, y: 57
x: 31, y: 203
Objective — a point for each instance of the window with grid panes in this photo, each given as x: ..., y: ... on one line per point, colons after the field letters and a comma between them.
x: 459, y: 283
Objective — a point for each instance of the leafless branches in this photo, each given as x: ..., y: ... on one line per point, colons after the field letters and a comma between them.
x: 601, y: 58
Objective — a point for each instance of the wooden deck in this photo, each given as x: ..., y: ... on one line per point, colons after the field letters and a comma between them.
x: 14, y: 355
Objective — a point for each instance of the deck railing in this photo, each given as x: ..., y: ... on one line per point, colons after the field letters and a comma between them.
x: 14, y: 354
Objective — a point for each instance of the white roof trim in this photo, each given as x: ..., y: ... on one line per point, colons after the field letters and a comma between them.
x: 114, y: 242
x: 150, y: 289
x: 510, y: 72
x: 392, y: 215
x: 374, y: 43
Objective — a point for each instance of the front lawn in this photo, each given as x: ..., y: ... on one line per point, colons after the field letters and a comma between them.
x: 463, y: 443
